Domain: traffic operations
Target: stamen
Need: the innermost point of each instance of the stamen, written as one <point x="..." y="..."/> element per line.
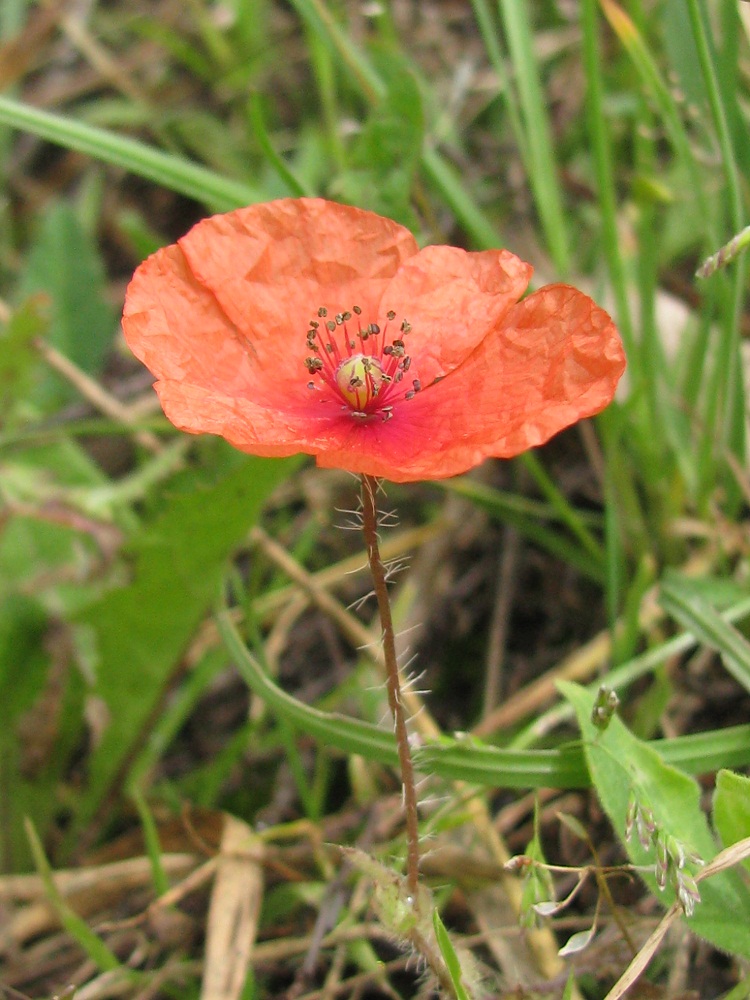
<point x="361" y="371"/>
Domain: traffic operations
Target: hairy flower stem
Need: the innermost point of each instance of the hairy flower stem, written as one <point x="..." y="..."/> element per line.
<point x="393" y="683"/>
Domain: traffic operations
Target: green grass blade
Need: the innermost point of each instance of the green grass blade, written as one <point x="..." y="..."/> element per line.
<point x="443" y="177"/>
<point x="219" y="193"/>
<point x="543" y="172"/>
<point x="727" y="388"/>
<point x="626" y="674"/>
<point x="706" y="624"/>
<point x="565" y="511"/>
<point x="78" y="929"/>
<point x="468" y="760"/>
<point x="296" y="188"/>
<point x="471" y="216"/>
<point x="603" y="165"/>
<point x="449" y="956"/>
<point x="488" y="31"/>
<point x="662" y="96"/>
<point x="151" y="839"/>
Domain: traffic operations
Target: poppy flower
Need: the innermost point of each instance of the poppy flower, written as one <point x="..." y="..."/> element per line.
<point x="302" y="325"/>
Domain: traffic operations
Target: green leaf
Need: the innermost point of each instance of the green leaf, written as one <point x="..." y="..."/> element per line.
<point x="621" y="767"/>
<point x="678" y="597"/>
<point x="18" y="359"/>
<point x="78" y="929"/>
<point x="386" y="155"/>
<point x="732" y="808"/>
<point x="142" y="629"/>
<point x="449" y="956"/>
<point x="219" y="193"/>
<point x="64" y="264"/>
<point x="468" y="760"/>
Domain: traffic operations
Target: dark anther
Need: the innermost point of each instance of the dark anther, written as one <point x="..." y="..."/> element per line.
<point x="322" y="312"/>
<point x="390" y="315"/>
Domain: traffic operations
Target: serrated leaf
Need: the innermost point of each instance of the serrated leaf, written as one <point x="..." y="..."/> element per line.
<point x="143" y="628"/>
<point x="619" y="763"/>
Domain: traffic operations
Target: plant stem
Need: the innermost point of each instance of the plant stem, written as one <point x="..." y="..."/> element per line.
<point x="393" y="682"/>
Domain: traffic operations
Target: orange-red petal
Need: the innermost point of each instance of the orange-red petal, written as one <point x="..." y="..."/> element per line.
<point x="221" y="319"/>
<point x="555" y="358"/>
<point x="270" y="267"/>
<point x="452" y="299"/>
<point x="178" y="330"/>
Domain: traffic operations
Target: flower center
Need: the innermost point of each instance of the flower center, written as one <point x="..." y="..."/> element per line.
<point x="358" y="367"/>
<point x="359" y="379"/>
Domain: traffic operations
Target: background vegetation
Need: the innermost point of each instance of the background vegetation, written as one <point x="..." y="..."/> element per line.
<point x="147" y="745"/>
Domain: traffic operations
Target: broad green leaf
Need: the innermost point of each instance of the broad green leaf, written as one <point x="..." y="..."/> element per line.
<point x="65" y="265"/>
<point x="732" y="808"/>
<point x="621" y="766"/>
<point x="142" y="629"/>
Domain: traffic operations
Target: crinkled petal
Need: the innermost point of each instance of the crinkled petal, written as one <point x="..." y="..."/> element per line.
<point x="272" y="266"/>
<point x="451" y="299"/>
<point x="221" y="320"/>
<point x="555" y="358"/>
<point x="250" y="424"/>
<point x="179" y="331"/>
